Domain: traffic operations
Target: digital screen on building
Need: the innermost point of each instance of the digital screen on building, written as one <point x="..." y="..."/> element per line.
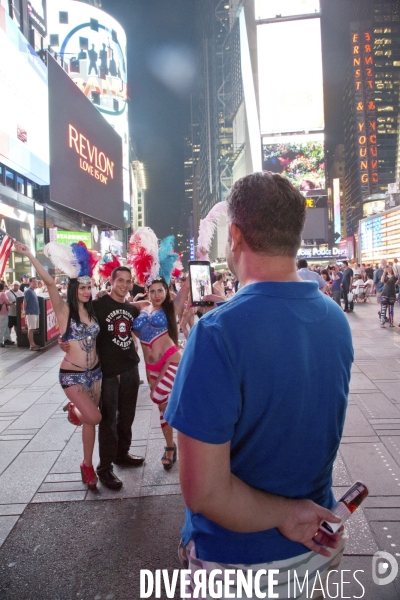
<point x="316" y="225"/>
<point x="268" y="9"/>
<point x="92" y="45"/>
<point x="290" y="76"/>
<point x="371" y="238"/>
<point x="71" y="237"/>
<point x="24" y="131"/>
<point x="337" y="224"/>
<point x="373" y="208"/>
<point x="380" y="236"/>
<point x="299" y="158"/>
<point x="37" y="15"/>
<point x="86" y="153"/>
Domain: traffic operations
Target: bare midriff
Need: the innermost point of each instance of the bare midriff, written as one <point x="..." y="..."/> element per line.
<point x="152" y="354"/>
<point x="80" y="359"/>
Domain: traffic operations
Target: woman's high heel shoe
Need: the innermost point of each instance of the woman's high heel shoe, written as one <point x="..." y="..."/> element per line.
<point x="72" y="418"/>
<point x="89" y="476"/>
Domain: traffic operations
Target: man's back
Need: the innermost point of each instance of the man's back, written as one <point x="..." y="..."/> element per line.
<point x="267" y="351"/>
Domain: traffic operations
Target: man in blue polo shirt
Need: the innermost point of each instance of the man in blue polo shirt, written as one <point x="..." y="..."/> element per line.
<point x="257" y="445"/>
<point x="32" y="312"/>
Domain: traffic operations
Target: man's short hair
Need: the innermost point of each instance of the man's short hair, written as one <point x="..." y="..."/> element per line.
<point x="31" y="279"/>
<point x="269" y="211"/>
<point x="302" y="263"/>
<point x="115" y="271"/>
<point x="345" y="262"/>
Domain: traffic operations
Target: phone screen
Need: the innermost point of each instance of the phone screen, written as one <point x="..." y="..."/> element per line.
<point x="200" y="281"/>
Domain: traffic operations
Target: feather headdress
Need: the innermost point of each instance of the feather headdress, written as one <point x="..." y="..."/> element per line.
<point x="108" y="263"/>
<point x="143" y="258"/>
<point x="167" y="257"/>
<point x="207" y="229"/>
<point x="178" y="267"/>
<point x="75" y="260"/>
<point x="148" y="260"/>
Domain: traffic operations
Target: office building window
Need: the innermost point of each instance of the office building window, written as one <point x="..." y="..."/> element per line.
<point x="20" y="185"/>
<point x="10" y="179"/>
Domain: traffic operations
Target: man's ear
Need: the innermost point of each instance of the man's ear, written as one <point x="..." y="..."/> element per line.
<point x="235" y="237"/>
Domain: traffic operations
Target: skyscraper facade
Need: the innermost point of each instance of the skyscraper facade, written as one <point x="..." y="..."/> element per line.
<point x="371" y="105"/>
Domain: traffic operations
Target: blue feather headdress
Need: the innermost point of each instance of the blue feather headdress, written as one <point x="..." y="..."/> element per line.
<point x="75" y="260"/>
<point x="150" y="261"/>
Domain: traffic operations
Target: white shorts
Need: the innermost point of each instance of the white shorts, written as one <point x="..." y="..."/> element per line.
<point x="32" y="321"/>
<point x="295" y="578"/>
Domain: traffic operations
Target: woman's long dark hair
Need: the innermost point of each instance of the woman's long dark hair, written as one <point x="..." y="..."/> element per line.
<point x="72" y="300"/>
<point x="169" y="309"/>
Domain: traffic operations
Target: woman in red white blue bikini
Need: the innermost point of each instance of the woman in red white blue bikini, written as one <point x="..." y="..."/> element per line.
<point x="156" y="326"/>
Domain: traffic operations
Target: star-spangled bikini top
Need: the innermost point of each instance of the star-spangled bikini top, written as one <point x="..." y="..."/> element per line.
<point x="150" y="326"/>
<point x="80" y="331"/>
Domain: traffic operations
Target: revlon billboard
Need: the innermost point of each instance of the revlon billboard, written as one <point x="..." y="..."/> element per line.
<point x="86" y="153"/>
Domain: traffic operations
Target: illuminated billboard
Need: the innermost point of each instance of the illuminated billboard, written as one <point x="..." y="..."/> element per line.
<point x="373" y="208"/>
<point x="37" y="15"/>
<point x="380" y="236"/>
<point x="269" y="9"/>
<point x="86" y="153"/>
<point x="92" y="45"/>
<point x="24" y="130"/>
<point x="290" y="76"/>
<point x="362" y="49"/>
<point x="299" y="158"/>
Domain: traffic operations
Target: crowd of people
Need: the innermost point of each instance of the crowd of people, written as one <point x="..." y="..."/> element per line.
<point x="350" y="282"/>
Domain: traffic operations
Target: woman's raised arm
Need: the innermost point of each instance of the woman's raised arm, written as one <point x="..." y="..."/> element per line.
<point x="59" y="306"/>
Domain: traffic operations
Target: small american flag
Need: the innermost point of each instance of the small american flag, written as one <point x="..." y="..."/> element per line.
<point x="6" y="243"/>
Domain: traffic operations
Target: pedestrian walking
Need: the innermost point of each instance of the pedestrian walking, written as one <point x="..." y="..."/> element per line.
<point x="388" y="295"/>
<point x="4" y="306"/>
<point x="13" y="294"/>
<point x="337" y="278"/>
<point x="347" y="283"/>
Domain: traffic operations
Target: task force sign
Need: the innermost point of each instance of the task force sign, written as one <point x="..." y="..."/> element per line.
<point x="86" y="153"/>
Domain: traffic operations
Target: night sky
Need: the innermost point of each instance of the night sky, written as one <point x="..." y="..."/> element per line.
<point x="161" y="75"/>
<point x="162" y="72"/>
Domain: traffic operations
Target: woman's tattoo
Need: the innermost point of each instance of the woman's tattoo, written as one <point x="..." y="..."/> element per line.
<point x="151" y="359"/>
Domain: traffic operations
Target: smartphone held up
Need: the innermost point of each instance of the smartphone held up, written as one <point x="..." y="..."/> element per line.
<point x="200" y="281"/>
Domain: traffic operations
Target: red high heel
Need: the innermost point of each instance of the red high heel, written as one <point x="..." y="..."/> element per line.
<point x="89" y="476"/>
<point x="72" y="418"/>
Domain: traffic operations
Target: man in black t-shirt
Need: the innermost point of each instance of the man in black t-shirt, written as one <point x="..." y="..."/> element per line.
<point x="347" y="282"/>
<point x="119" y="365"/>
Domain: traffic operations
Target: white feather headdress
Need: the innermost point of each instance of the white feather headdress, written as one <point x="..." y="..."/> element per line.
<point x="207" y="229"/>
<point x="63" y="258"/>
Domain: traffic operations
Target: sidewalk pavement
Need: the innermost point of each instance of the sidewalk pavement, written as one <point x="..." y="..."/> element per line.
<point x="44" y="504"/>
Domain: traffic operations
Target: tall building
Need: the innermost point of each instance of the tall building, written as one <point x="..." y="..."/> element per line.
<point x="214" y="107"/>
<point x="371" y="107"/>
<point x="139" y="186"/>
<point x="188" y="224"/>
